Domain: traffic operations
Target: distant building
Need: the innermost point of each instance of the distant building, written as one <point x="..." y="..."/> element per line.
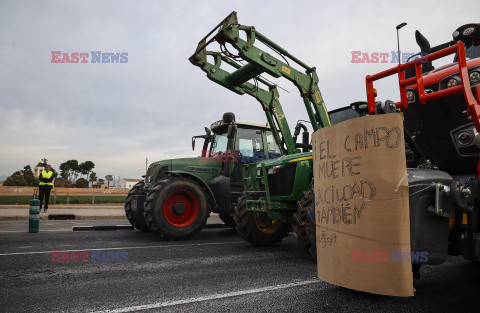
<point x="126" y="183"/>
<point x="100" y="186"/>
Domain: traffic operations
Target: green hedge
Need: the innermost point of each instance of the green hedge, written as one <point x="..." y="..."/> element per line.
<point x="62" y="199"/>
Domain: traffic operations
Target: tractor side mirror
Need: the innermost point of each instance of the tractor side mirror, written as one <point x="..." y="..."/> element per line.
<point x="193" y="140"/>
<point x="208" y="138"/>
<point x="208" y="133"/>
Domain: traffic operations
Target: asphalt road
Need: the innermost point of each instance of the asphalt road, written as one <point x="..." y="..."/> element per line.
<point x="214" y="272"/>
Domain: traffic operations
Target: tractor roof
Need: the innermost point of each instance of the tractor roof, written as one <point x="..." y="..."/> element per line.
<point x="220" y="124"/>
<point x="252" y="124"/>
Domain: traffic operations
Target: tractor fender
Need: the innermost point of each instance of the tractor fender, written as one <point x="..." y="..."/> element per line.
<point x="221" y="187"/>
<point x="211" y="196"/>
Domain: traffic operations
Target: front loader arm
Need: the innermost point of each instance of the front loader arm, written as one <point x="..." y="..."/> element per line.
<point x="259" y="62"/>
<point x="268" y="99"/>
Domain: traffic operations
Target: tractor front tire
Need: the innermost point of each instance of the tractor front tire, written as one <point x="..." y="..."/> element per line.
<point x="255" y="228"/>
<point x="305" y="226"/>
<point x="176" y="208"/>
<point x="134" y="207"/>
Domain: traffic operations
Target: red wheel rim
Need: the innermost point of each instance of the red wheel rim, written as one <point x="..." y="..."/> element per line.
<point x="187" y="201"/>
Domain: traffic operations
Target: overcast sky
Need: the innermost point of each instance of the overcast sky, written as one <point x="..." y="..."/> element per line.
<point x="116" y="115"/>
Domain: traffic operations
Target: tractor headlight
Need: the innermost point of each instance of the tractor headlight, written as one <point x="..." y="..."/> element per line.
<point x="410" y="96"/>
<point x="455" y="34"/>
<point x="452" y="82"/>
<point x="474" y="76"/>
<point x="468" y="31"/>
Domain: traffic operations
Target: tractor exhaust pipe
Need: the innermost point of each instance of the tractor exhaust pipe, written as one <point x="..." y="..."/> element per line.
<point x="306" y="141"/>
<point x="424" y="49"/>
<point x="305" y="145"/>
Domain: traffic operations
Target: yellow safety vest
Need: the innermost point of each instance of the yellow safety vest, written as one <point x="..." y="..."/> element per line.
<point x="46" y="175"/>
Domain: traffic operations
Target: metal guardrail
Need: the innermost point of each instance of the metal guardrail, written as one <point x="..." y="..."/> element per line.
<point x="464" y="87"/>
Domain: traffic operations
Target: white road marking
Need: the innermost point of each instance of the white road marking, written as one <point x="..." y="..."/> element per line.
<point x="210" y="297"/>
<point x="24" y="231"/>
<point x="48" y="230"/>
<point x="125" y="248"/>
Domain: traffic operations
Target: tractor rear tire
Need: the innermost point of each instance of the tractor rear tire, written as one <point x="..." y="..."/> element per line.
<point x="305" y="226"/>
<point x="255" y="229"/>
<point x="176" y="208"/>
<point x="134" y="209"/>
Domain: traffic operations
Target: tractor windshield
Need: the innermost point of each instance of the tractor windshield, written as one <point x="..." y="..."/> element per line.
<point x="249" y="142"/>
<point x="342" y="114"/>
<point x="273" y="149"/>
<point x="472" y="51"/>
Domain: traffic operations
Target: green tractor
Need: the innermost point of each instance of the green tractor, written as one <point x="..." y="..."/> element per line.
<point x="177" y="195"/>
<point x="273" y="188"/>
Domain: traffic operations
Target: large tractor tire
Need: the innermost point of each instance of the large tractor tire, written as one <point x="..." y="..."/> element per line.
<point x="176" y="208"/>
<point x="134" y="207"/>
<point x="221" y="188"/>
<point x="305" y="226"/>
<point x="255" y="228"/>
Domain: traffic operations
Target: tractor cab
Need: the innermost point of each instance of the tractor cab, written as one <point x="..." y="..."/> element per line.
<point x="228" y="140"/>
<point x="235" y="143"/>
<point x="242" y="142"/>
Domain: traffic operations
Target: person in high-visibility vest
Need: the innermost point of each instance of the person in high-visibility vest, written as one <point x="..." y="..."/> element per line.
<point x="45" y="186"/>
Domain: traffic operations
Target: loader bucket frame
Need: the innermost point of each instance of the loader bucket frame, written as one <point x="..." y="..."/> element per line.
<point x="418" y="81"/>
<point x="257" y="63"/>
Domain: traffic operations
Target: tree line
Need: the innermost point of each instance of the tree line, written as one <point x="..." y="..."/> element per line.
<point x="72" y="174"/>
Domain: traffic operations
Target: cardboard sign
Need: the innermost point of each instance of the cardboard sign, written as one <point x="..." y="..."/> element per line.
<point x="361" y="205"/>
